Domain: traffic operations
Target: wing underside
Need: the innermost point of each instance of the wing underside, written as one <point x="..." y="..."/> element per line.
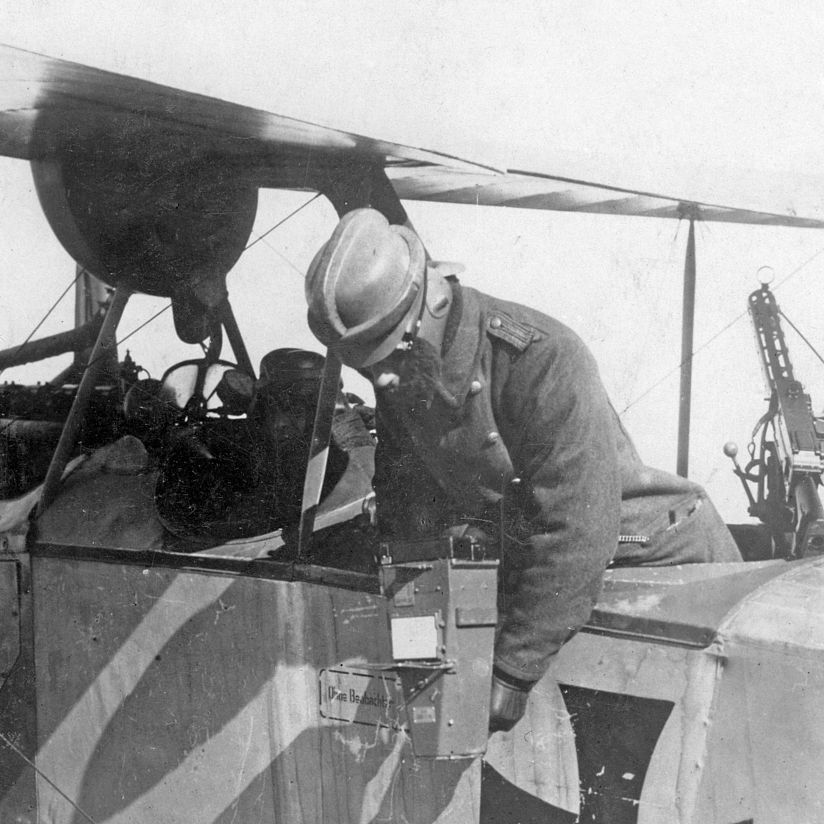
<point x="46" y="104"/>
<point x="44" y="101"/>
<point x="525" y="190"/>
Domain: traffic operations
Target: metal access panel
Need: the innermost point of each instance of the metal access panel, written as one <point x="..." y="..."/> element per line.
<point x="442" y="615"/>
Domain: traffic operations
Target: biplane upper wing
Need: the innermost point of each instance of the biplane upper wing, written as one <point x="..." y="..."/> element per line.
<point x="45" y="102"/>
<point x="530" y="190"/>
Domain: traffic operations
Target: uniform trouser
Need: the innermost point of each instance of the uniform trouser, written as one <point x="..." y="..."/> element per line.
<point x="691" y="533"/>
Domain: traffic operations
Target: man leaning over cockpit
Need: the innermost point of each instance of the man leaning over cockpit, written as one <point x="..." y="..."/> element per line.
<point x="491" y="417"/>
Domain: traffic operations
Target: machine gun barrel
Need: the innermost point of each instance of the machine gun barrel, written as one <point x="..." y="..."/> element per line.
<point x="797" y="440"/>
<point x="793" y="463"/>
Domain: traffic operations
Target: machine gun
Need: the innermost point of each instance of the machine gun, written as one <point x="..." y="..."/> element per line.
<point x="788" y="466"/>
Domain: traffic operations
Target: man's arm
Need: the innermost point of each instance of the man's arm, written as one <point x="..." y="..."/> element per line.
<point x="565" y="513"/>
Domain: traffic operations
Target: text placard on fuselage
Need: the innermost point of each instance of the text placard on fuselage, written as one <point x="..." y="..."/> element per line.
<point x="359" y="696"/>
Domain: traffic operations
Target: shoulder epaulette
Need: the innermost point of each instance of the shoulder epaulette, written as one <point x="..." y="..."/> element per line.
<point x="502" y="326"/>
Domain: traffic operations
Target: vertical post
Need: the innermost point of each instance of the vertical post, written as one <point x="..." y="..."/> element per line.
<point x="227" y="318"/>
<point x="104" y="344"/>
<point x="318" y="451"/>
<point x="365" y="186"/>
<point x="687" y="329"/>
<point x="89" y="295"/>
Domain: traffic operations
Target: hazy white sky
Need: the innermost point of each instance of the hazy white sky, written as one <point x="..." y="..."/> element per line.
<point x="717" y="101"/>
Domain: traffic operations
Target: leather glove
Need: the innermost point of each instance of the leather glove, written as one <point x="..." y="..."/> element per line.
<point x="507" y="702"/>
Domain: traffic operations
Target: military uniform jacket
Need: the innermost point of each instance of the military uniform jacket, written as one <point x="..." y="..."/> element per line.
<point x="521" y="443"/>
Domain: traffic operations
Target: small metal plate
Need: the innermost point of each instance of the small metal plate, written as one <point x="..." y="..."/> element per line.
<point x="414" y="637"/>
<point x="424" y="715"/>
<point x="359" y="697"/>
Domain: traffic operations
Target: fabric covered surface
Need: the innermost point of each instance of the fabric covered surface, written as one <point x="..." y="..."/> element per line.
<point x="108" y="501"/>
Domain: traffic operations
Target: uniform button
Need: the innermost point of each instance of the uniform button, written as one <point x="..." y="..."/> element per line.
<point x="492" y="437"/>
<point x="495" y="323"/>
<point x="475" y="387"/>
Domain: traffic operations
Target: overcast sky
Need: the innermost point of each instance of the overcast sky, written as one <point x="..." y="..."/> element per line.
<point x="721" y="102"/>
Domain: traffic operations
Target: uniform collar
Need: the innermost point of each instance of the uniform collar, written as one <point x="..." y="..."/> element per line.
<point x="461" y="343"/>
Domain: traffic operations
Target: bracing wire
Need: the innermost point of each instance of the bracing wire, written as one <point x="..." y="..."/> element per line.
<point x="249" y="246"/>
<point x="42" y="320"/>
<point x="283" y="258"/>
<point x="168" y="306"/>
<point x="802" y="336"/>
<point x="117" y="343"/>
<point x="159" y="312"/>
<point x="21" y="754"/>
<point x="135" y="331"/>
<point x="81" y="271"/>
<point x="281" y="222"/>
<point x="713" y="338"/>
<point x="63" y="294"/>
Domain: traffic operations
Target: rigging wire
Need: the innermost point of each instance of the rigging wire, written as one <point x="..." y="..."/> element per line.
<point x="16" y="418"/>
<point x="283" y="258"/>
<point x="281" y="222"/>
<point x="713" y="338"/>
<point x="157" y="314"/>
<point x="63" y="294"/>
<point x="133" y="332"/>
<point x="145" y="323"/>
<point x="169" y="305"/>
<point x="48" y="780"/>
<point x="81" y="271"/>
<point x="249" y="246"/>
<point x="802" y="336"/>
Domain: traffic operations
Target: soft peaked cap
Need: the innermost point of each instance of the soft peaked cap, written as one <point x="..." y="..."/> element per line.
<point x="365" y="286"/>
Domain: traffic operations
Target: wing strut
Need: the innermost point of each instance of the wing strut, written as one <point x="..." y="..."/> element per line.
<point x="227" y="318"/>
<point x="318" y="452"/>
<point x="97" y="363"/>
<point x="373" y="190"/>
<point x="89" y="295"/>
<point x="687" y="329"/>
